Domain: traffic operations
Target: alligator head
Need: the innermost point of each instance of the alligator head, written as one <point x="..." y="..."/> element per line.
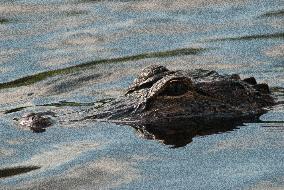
<point x="161" y="96"/>
<point x="183" y="99"/>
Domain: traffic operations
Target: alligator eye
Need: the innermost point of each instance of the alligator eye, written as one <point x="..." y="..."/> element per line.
<point x="176" y="88"/>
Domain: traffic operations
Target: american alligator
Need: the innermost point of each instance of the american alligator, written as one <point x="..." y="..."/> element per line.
<point x="196" y="97"/>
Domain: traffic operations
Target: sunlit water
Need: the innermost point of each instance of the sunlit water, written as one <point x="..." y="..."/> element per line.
<point x="84" y="51"/>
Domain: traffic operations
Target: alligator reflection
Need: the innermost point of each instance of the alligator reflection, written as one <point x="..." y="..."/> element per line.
<point x="181" y="133"/>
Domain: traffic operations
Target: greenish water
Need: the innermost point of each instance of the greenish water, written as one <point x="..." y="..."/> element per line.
<point x="70" y="56"/>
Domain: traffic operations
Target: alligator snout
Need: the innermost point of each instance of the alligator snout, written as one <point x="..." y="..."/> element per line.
<point x="37" y="122"/>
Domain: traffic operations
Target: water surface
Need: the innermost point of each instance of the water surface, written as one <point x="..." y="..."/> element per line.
<point x="74" y="55"/>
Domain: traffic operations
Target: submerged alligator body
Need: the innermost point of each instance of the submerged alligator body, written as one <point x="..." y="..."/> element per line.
<point x="195" y="97"/>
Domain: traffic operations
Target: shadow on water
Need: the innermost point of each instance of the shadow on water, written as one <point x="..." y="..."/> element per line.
<point x="68" y="104"/>
<point x="180" y="133"/>
<point x="277" y="13"/>
<point x="3" y="20"/>
<point x="7" y="172"/>
<point x="279" y="35"/>
<point x="15" y="110"/>
<point x="41" y="76"/>
<point x="74" y="13"/>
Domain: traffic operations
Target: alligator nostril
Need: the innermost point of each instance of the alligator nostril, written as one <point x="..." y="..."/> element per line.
<point x="250" y="80"/>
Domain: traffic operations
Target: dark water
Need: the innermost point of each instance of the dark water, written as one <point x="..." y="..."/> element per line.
<point x="71" y="55"/>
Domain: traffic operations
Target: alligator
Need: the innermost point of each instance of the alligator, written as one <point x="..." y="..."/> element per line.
<point x="162" y="98"/>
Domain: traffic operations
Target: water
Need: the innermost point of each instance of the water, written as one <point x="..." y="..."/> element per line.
<point x="62" y="55"/>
